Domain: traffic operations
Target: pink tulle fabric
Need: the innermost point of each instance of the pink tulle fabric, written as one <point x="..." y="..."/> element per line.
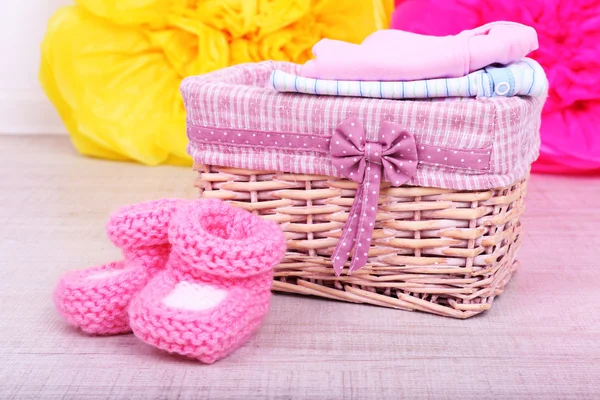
<point x="569" y="38"/>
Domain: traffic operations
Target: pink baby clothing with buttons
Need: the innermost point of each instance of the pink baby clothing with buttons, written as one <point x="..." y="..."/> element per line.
<point x="394" y="55"/>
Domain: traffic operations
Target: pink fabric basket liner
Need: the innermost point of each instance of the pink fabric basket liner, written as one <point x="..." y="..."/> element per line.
<point x="235" y="120"/>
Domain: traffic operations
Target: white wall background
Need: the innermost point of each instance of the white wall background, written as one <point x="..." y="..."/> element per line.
<point x="23" y="106"/>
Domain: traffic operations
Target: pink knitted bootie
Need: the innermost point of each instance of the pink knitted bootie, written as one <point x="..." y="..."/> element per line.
<point x="215" y="290"/>
<point x="96" y="299"/>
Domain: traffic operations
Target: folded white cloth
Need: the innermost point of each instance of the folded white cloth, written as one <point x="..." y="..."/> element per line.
<point x="523" y="78"/>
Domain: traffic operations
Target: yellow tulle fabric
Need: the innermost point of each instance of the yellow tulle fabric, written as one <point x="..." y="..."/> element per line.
<point x="112" y="68"/>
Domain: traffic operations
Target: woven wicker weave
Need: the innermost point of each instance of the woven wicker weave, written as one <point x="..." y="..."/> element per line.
<point x="435" y="250"/>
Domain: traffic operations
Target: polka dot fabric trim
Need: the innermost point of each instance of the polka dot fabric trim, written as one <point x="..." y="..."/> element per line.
<point x="477" y="160"/>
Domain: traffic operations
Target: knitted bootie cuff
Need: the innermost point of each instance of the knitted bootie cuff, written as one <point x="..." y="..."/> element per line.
<point x="216" y="238"/>
<point x="142" y="224"/>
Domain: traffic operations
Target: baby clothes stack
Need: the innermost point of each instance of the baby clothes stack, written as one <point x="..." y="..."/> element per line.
<point x="485" y="62"/>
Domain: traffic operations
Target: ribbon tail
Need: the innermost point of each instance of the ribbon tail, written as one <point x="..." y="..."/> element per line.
<point x="347" y="240"/>
<point x="367" y="217"/>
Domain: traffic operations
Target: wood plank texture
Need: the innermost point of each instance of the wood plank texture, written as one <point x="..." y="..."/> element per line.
<point x="540" y="340"/>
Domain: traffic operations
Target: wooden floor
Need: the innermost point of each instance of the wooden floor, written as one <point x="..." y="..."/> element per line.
<point x="541" y="340"/>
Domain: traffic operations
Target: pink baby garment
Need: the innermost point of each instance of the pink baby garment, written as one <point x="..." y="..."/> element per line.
<point x="394" y="55"/>
<point x="96" y="299"/>
<point x="216" y="288"/>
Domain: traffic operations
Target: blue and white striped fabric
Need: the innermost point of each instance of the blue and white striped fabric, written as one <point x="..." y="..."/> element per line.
<point x="523" y="78"/>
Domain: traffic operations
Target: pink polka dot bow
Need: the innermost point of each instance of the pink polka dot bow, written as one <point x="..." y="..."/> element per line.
<point x="393" y="156"/>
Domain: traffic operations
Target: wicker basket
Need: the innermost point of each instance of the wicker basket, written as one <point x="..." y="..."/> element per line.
<point x="451" y="172"/>
<point x="435" y="250"/>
